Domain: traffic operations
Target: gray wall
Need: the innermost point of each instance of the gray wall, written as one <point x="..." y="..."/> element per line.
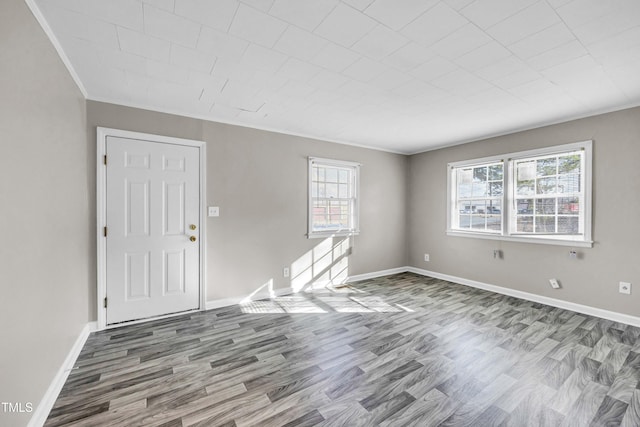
<point x="45" y="255"/>
<point x="259" y="180"/>
<point x="592" y="279"/>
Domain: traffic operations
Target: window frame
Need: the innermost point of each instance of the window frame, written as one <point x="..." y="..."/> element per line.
<point x="355" y="199"/>
<point x="509" y="196"/>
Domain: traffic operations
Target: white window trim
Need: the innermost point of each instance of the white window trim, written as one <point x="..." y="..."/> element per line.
<point x="579" y="241"/>
<point x="356" y="209"/>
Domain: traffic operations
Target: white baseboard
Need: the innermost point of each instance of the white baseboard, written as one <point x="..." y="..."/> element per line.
<point x="375" y="274"/>
<point x="585" y="309"/>
<point x="46" y="403"/>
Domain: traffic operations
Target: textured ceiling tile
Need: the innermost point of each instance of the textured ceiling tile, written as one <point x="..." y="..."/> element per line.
<point x="298" y="70"/>
<point x="221" y="44"/>
<point x="125" y="13"/>
<point x="395" y="14"/>
<point x="216" y="14"/>
<point x="307" y="14"/>
<point x="433" y="69"/>
<point x="435" y="24"/>
<point x="486" y="13"/>
<point x="558" y="55"/>
<point x="608" y="26"/>
<point x="580" y="12"/>
<point x="345" y="26"/>
<point x="263" y="5"/>
<point x="358" y="4"/>
<point x="379" y="43"/>
<point x="300" y="43"/>
<point x="460" y="42"/>
<point x="263" y="58"/>
<point x="168" y="5"/>
<point x="365" y="69"/>
<point x="143" y="45"/>
<point x="483" y="56"/>
<point x="167" y="26"/>
<point x="540" y="42"/>
<point x="410" y="56"/>
<point x="335" y="57"/>
<point x="525" y="23"/>
<point x="192" y="59"/>
<point x="257" y="27"/>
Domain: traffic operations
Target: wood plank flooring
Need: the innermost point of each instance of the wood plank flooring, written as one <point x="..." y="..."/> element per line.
<point x="402" y="350"/>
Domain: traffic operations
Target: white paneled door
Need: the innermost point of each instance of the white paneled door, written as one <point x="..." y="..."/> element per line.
<point x="153" y="229"/>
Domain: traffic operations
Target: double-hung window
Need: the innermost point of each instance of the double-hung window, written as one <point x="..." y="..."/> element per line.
<point x="333" y="197"/>
<point x="539" y="196"/>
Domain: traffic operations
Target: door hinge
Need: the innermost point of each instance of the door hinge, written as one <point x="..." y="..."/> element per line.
<point x="104" y="231"/>
<point x="105" y="302"/>
<point x="104" y="159"/>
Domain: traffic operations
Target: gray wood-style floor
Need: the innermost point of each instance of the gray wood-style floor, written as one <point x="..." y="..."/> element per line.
<point x="401" y="350"/>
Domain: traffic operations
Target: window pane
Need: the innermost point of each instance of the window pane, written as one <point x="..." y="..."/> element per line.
<point x="525" y="224"/>
<point x="343" y="175"/>
<point x="478" y="222"/>
<point x="465" y="221"/>
<point x="464" y="207"/>
<point x="569" y="164"/>
<point x="321" y="190"/>
<point x="569" y="183"/>
<point x="314" y="173"/>
<point x="525" y="188"/>
<point x="495" y="173"/>
<point x="525" y="206"/>
<point x="464" y="191"/>
<point x="314" y="189"/>
<point x="321" y="173"/>
<point x="568" y="224"/>
<point x="545" y="224"/>
<point x="332" y="190"/>
<point x="478" y="206"/>
<point x="568" y="205"/>
<point x="479" y="189"/>
<point x="546" y="206"/>
<point x="465" y="176"/>
<point x="494" y="207"/>
<point x="343" y="191"/>
<point x="480" y="174"/>
<point x="546" y="185"/>
<point x="332" y="175"/>
<point x="495" y="188"/>
<point x="526" y="171"/>
<point x="546" y="167"/>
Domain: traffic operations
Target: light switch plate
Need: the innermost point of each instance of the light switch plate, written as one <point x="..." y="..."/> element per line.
<point x="214" y="211"/>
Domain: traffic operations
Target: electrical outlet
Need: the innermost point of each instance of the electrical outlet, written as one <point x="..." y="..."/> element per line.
<point x="554" y="283"/>
<point x="573" y="254"/>
<point x="214" y="211"/>
<point x="426" y="257"/>
<point x="497" y="254"/>
<point x="285" y="272"/>
<point x="624" y="288"/>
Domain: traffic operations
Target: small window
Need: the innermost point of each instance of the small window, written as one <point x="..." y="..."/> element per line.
<point x="540" y="195"/>
<point x="333" y="197"/>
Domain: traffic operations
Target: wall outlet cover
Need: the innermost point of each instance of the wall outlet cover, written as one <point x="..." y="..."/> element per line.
<point x="624" y="288"/>
<point x="554" y="283"/>
<point x="426" y="257"/>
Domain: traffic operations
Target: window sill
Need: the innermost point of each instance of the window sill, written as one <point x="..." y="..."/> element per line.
<point x="325" y="234"/>
<point x="522" y="239"/>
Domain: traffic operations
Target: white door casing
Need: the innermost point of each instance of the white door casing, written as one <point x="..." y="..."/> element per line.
<point x="150" y="261"/>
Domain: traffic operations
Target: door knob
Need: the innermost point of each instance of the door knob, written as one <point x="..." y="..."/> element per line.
<point x="192" y="226"/>
<point x="192" y="238"/>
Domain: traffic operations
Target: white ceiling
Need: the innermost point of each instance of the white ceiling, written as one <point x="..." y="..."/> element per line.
<point x="399" y="75"/>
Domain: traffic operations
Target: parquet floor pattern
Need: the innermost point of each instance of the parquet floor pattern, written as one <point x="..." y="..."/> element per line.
<point x="402" y="350"/>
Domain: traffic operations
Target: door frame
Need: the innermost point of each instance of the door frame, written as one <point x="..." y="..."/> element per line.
<point x="101" y="214"/>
